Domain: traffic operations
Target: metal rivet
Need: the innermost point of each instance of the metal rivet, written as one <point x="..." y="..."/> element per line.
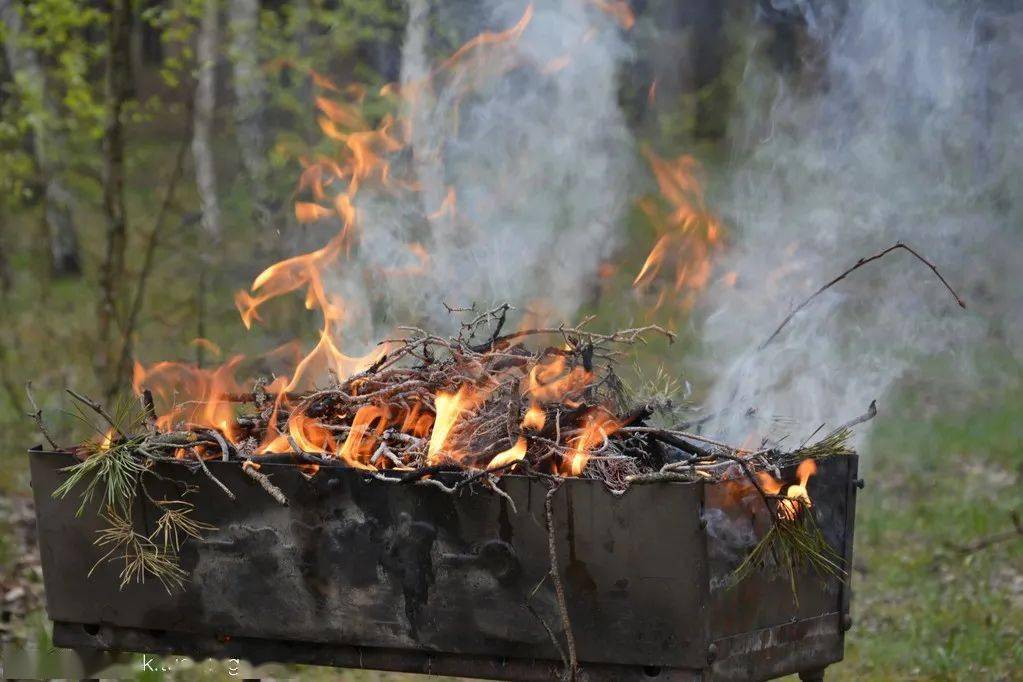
<point x="860" y="483"/>
<point x="846" y="622"/>
<point x="712" y="652"/>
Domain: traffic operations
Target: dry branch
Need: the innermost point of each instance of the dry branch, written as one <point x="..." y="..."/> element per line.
<point x="37" y="417"/>
<point x="262" y="479"/>
<point x="98" y="409"/>
<point x="559" y="589"/>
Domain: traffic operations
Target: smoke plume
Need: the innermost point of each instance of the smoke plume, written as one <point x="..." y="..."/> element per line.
<point x="525" y="140"/>
<point x="906" y="127"/>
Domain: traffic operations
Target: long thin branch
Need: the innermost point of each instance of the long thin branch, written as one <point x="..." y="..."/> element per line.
<point x="559" y="589"/>
<point x="865" y="417"/>
<point x="148" y="259"/>
<point x="626" y="336"/>
<point x="859" y="264"/>
<point x="98" y="409"/>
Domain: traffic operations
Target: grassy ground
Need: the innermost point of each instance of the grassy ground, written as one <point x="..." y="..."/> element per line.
<point x="924" y="607"/>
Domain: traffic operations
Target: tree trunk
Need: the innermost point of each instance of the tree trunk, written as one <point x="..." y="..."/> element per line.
<point x="202" y="153"/>
<point x="250" y="94"/>
<point x="30" y="83"/>
<point x="202" y="132"/>
<point x="118" y="90"/>
<point x="6" y="280"/>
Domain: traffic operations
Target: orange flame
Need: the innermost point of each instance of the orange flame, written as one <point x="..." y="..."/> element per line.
<point x="326" y="190"/>
<point x="597" y="426"/>
<point x="689" y="234"/>
<point x="206" y="389"/>
<point x="107" y="441"/>
<point x="367" y="426"/>
<point x="489" y="38"/>
<point x="533" y="419"/>
<point x="619" y="10"/>
<point x="797" y="497"/>
<point x="548" y="382"/>
<point x="450" y="407"/>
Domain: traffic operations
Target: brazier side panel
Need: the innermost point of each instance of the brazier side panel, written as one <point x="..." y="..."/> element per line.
<point x="354" y="561"/>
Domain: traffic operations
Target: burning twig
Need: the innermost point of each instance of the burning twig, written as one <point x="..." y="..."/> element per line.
<point x="37" y="417"/>
<point x="859" y="264"/>
<point x="225" y="450"/>
<point x="148" y="409"/>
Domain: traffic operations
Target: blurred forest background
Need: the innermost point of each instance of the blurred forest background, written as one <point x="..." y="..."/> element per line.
<point x="148" y="156"/>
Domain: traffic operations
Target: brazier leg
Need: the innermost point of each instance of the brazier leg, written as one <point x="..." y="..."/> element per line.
<point x="812" y="675"/>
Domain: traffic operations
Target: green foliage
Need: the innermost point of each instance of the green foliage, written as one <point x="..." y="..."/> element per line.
<point x="62" y="33"/>
<point x="328" y="38"/>
<point x="114" y="470"/>
<point x="176" y="21"/>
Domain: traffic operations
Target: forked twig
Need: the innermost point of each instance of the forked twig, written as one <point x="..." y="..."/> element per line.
<point x="859" y="264"/>
<point x="37" y="416"/>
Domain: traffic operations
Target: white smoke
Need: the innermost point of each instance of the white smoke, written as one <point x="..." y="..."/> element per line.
<point x="908" y="129"/>
<point x="535" y="149"/>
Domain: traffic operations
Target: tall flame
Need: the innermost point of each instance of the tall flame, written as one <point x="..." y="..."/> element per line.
<point x="688" y="234"/>
<point x="449" y="408"/>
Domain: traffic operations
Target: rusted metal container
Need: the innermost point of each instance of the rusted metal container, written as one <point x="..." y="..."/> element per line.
<point x="364" y="574"/>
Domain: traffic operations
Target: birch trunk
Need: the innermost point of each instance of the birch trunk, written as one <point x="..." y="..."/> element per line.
<point x="250" y="93"/>
<point x="203" y="115"/>
<point x="29" y="82"/>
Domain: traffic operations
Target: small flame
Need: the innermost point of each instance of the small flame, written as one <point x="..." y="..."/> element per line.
<point x="107" y="441"/>
<point x="619" y="10"/>
<point x="597" y="426"/>
<point x="367" y="427"/>
<point x="535" y="418"/>
<point x="797" y="497"/>
<point x="512" y="454"/>
<point x="549" y="382"/>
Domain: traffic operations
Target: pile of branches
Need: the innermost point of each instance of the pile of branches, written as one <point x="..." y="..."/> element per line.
<point x="557" y="410"/>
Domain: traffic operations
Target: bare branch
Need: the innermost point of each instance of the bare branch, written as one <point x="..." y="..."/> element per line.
<point x="859" y="264"/>
<point x="98" y="409"/>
